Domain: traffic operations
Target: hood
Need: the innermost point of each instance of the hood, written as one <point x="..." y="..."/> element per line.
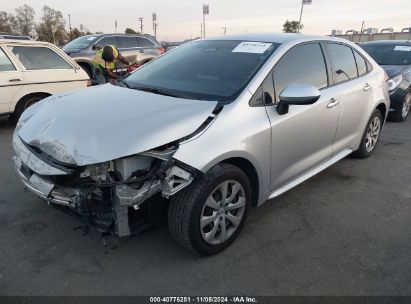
<point x="108" y="122"/>
<point x="394" y="70"/>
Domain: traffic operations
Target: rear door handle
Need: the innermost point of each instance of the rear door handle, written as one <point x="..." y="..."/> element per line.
<point x="333" y="103"/>
<point x="15" y="80"/>
<point x="367" y="87"/>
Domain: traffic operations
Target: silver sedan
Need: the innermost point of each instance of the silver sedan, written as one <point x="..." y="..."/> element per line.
<point x="215" y="126"/>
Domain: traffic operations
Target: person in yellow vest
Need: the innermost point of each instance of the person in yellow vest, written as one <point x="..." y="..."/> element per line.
<point x="105" y="62"/>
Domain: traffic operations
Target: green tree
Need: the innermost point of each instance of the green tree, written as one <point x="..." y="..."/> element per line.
<point x="131" y="31"/>
<point x="52" y="26"/>
<point x="75" y="33"/>
<point x="25" y="20"/>
<point x="292" y="27"/>
<point x="8" y="23"/>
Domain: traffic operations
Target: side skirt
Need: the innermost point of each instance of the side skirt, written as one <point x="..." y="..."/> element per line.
<point x="310" y="173"/>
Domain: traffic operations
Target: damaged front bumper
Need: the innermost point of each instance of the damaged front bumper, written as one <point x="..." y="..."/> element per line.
<point x="103" y="194"/>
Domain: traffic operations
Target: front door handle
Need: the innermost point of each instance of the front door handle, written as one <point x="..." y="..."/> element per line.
<point x="15" y="80"/>
<point x="333" y="103"/>
<point x="367" y="87"/>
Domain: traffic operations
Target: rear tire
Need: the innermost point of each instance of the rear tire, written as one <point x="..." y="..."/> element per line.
<point x="371" y="136"/>
<point x="26" y="102"/>
<point x="204" y="218"/>
<point x="401" y="113"/>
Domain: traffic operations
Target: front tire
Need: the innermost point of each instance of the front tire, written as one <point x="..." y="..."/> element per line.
<point x="208" y="215"/>
<point x="371" y="136"/>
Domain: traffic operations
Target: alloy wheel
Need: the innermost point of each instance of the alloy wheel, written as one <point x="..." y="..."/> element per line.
<point x="373" y="134"/>
<point x="222" y="212"/>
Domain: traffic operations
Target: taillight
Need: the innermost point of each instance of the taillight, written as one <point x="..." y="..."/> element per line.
<point x="162" y="50"/>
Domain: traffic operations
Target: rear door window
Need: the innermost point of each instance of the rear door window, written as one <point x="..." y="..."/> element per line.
<point x="127" y="42"/>
<point x="5" y="63"/>
<point x="303" y="64"/>
<point x="108" y="41"/>
<point x="144" y="42"/>
<point x="342" y="62"/>
<point x="39" y="58"/>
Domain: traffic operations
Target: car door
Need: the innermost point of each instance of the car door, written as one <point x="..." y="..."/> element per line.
<point x="350" y="75"/>
<point x="11" y="79"/>
<point x="44" y="70"/>
<point x="304" y="136"/>
<point x="129" y="48"/>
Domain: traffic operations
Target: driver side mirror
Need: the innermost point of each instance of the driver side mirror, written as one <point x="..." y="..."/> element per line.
<point x="96" y="47"/>
<point x="297" y="94"/>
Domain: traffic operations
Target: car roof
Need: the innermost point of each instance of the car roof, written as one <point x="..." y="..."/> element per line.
<point x="388" y="42"/>
<point x="28" y="42"/>
<point x="275" y="37"/>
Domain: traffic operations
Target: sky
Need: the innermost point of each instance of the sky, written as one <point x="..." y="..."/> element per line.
<point x="181" y="19"/>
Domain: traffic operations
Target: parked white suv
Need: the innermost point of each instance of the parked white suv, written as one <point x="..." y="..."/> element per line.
<point x="31" y="71"/>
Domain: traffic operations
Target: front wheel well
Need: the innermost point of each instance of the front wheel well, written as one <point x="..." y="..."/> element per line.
<point x="248" y="168"/>
<point x="37" y="94"/>
<point x="383" y="109"/>
<point x="21" y="105"/>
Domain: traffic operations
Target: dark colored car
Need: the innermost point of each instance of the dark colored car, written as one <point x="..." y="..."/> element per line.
<point x="135" y="48"/>
<point x="394" y="56"/>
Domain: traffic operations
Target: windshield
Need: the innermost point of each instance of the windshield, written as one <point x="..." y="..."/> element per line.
<point x="391" y="54"/>
<point x="80" y="43"/>
<point x="204" y="70"/>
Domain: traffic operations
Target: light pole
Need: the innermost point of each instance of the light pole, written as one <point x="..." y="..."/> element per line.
<point x="69" y="17"/>
<point x="155" y="24"/>
<point x="304" y="2"/>
<point x="141" y="25"/>
<point x="206" y="11"/>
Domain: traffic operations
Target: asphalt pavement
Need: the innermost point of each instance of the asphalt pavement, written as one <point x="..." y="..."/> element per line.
<point x="346" y="231"/>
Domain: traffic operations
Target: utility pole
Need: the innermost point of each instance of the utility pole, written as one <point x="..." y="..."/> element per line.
<point x="115" y="26"/>
<point x="69" y="16"/>
<point x="141" y="25"/>
<point x="155" y="24"/>
<point x="224" y="30"/>
<point x="206" y="11"/>
<point x="201" y="30"/>
<point x="362" y="27"/>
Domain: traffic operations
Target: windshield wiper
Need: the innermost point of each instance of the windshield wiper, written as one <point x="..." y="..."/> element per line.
<point x="123" y="82"/>
<point x="161" y="92"/>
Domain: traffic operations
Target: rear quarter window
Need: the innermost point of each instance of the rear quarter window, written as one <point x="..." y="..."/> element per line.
<point x="361" y="64"/>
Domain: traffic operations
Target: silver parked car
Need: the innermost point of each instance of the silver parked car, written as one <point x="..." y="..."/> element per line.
<point x="217" y="125"/>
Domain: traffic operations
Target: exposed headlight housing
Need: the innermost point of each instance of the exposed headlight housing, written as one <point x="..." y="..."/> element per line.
<point x="393" y="83"/>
